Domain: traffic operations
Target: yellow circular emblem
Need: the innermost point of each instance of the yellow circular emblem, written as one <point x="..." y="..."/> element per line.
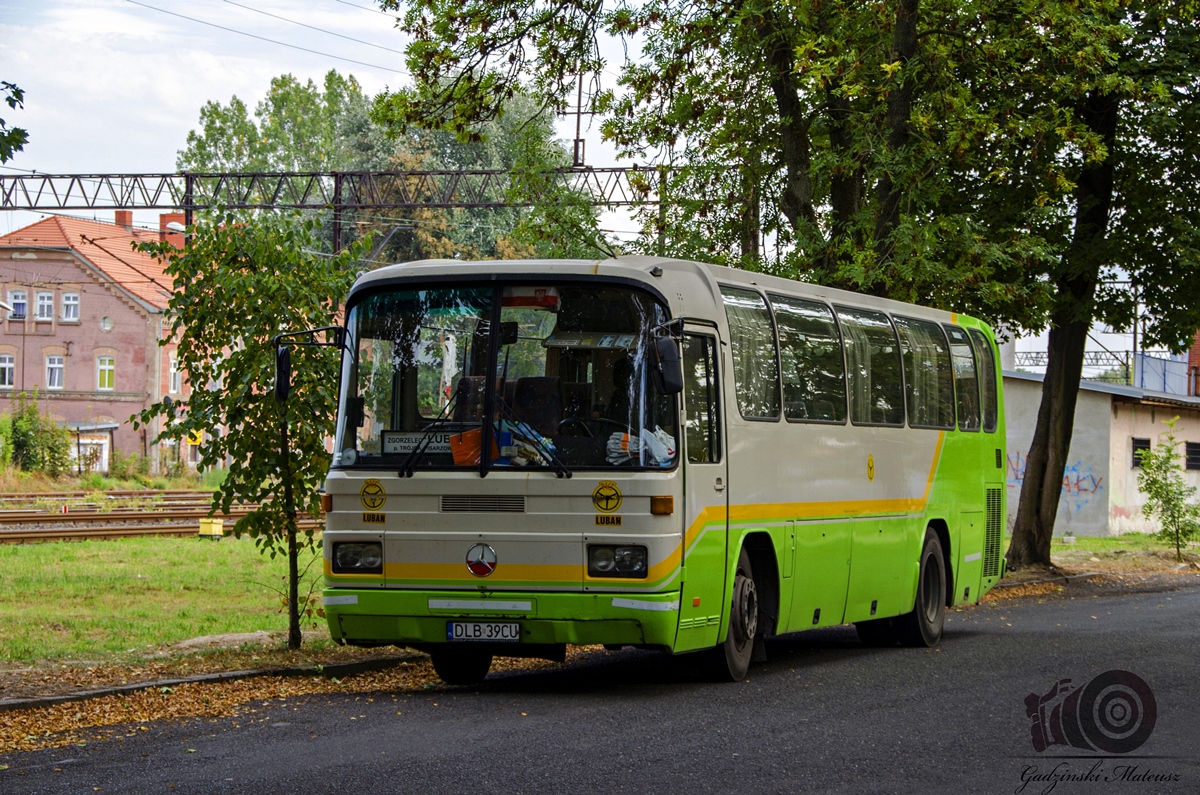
<point x="871" y="468"/>
<point x="606" y="497"/>
<point x="372" y="495"/>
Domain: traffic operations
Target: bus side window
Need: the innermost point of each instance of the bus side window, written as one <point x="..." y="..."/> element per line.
<point x="755" y="360"/>
<point x="702" y="431"/>
<point x="987" y="369"/>
<point x="928" y="378"/>
<point x="873" y="366"/>
<point x="966" y="381"/>
<point x="814" y="380"/>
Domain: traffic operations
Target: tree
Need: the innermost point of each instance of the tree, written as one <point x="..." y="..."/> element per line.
<point x="242" y="279"/>
<point x="12" y="139"/>
<point x="1127" y="205"/>
<point x="964" y="154"/>
<point x="296" y="127"/>
<point x="1168" y="496"/>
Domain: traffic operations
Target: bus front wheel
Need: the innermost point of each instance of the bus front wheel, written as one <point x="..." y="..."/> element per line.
<point x="923" y="626"/>
<point x="461" y="666"/>
<point x="731" y="659"/>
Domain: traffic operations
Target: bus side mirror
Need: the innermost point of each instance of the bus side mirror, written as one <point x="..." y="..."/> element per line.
<point x="509" y="332"/>
<point x="667" y="370"/>
<point x="283" y="373"/>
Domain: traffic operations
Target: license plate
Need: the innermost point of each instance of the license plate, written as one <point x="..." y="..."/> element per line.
<point x="495" y="631"/>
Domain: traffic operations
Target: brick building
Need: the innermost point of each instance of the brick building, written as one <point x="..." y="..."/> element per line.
<point x="87" y="315"/>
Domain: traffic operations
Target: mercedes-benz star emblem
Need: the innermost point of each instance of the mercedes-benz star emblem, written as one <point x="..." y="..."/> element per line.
<point x="481" y="560"/>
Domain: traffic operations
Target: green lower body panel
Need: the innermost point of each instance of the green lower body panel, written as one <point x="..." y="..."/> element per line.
<point x="398" y="617"/>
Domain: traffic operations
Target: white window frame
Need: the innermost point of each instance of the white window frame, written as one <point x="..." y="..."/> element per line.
<point x="48" y="305"/>
<point x="102" y="368"/>
<point x="18" y="297"/>
<point x="55" y="362"/>
<point x="8" y="371"/>
<point x="175" y="379"/>
<point x="70" y="307"/>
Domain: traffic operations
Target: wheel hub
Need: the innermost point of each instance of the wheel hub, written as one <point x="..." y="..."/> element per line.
<point x="745" y="616"/>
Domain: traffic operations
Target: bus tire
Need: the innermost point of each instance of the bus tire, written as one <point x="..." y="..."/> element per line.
<point x="923" y="625"/>
<point x="461" y="666"/>
<point x="731" y="659"/>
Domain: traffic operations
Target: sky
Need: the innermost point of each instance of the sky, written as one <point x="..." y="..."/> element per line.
<point x="114" y="86"/>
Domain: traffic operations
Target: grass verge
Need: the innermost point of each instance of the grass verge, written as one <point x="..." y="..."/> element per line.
<point x="109" y="600"/>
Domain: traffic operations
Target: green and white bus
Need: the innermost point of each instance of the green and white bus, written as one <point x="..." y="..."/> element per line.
<point x="656" y="453"/>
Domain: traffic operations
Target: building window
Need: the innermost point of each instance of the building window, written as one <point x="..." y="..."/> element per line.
<point x="1193" y="455"/>
<point x="176" y="384"/>
<point x="70" y="306"/>
<point x="16" y="299"/>
<point x="54" y="372"/>
<point x="106" y="373"/>
<point x="45" y="306"/>
<point x="8" y="371"/>
<point x="1138" y="446"/>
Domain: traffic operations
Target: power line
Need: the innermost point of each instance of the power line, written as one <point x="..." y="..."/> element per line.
<point x="364" y="8"/>
<point x="270" y="41"/>
<point x="312" y="27"/>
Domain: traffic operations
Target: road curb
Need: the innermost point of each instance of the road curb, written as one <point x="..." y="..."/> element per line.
<point x="338" y="669"/>
<point x="1062" y="578"/>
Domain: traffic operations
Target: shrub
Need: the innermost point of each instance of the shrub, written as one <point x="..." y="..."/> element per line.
<point x="1168" y="496"/>
<point x="38" y="443"/>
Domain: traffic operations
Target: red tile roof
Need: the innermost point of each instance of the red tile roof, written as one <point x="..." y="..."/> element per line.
<point x="106" y="246"/>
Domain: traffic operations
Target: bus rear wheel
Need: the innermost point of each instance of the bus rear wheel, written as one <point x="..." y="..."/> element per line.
<point x="461" y="666"/>
<point x="923" y="626"/>
<point x="731" y="659"/>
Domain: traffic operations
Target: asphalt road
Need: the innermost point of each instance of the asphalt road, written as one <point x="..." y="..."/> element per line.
<point x="824" y="714"/>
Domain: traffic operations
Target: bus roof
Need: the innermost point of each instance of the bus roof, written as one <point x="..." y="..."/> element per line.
<point x="690" y="279"/>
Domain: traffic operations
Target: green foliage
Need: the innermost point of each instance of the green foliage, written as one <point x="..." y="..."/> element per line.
<point x="5" y="440"/>
<point x="1168" y="496"/>
<point x="296" y="127"/>
<point x="12" y="139"/>
<point x="242" y="279"/>
<point x="127" y="466"/>
<point x="38" y="443"/>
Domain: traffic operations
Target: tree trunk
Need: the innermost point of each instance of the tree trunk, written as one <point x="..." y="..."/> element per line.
<point x="797" y="199"/>
<point x="751" y="226"/>
<point x="1070" y="321"/>
<point x="899" y="114"/>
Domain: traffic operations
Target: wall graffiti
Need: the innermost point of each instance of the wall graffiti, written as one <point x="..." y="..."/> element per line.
<point x="1079" y="485"/>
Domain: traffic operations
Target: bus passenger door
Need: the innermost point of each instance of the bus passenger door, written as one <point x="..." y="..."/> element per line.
<point x="706" y="500"/>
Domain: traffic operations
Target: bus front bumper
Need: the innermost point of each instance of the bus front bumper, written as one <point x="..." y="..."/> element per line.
<point x="420" y="618"/>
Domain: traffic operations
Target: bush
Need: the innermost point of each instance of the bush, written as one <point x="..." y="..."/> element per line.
<point x="38" y="443"/>
<point x="1168" y="496"/>
<point x="130" y="466"/>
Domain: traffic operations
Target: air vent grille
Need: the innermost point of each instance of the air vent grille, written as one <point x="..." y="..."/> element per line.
<point x="482" y="503"/>
<point x="993" y="532"/>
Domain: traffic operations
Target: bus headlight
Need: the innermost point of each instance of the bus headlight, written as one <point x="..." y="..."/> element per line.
<point x="613" y="561"/>
<point x="358" y="558"/>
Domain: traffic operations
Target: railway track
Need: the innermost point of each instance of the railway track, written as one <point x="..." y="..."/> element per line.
<point x="169" y="514"/>
<point x="108" y="532"/>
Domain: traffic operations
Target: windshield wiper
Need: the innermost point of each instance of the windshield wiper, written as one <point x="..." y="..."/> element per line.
<point x="408" y="468"/>
<point x="560" y="469"/>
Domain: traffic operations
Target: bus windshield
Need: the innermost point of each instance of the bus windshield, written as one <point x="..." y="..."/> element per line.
<point x="570" y="386"/>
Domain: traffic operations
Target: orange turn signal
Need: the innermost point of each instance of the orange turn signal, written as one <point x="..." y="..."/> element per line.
<point x="326" y="503"/>
<point x="662" y="506"/>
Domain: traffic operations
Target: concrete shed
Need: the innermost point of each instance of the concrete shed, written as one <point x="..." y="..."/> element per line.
<point x="1099" y="490"/>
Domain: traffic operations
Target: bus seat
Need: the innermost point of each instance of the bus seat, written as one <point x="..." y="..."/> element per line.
<point x="469" y="405"/>
<point x="510" y="392"/>
<point x="538" y="401"/>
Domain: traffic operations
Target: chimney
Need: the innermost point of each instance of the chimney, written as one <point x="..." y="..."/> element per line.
<point x="1194" y="367"/>
<point x="176" y="239"/>
<point x="125" y="219"/>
